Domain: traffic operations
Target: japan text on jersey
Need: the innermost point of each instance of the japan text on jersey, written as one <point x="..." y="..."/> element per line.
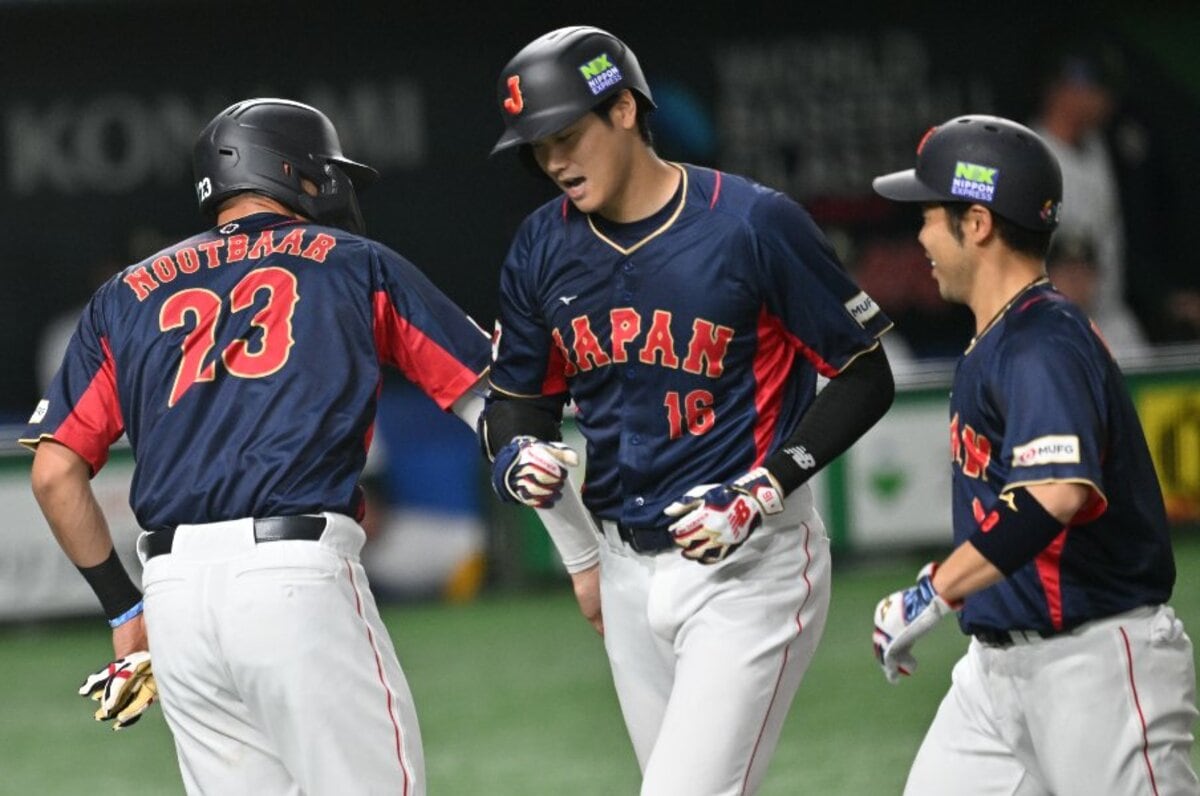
<point x="1037" y="399"/>
<point x="268" y="332"/>
<point x="689" y="341"/>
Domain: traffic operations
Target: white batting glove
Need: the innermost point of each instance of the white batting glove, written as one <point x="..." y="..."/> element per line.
<point x="530" y="471"/>
<point x="717" y="519"/>
<point x="124" y="688"/>
<point x="903" y="617"/>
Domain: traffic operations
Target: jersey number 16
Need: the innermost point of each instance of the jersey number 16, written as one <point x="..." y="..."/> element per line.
<point x="696" y="409"/>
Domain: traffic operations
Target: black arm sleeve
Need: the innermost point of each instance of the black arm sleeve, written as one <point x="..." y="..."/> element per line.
<point x="506" y="417"/>
<point x="840" y="414"/>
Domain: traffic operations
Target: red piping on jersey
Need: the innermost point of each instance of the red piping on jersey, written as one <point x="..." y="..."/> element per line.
<point x="783" y="665"/>
<point x="716" y="191"/>
<point x="396" y="731"/>
<point x="1030" y="303"/>
<point x="1049" y="569"/>
<point x="1137" y="703"/>
<point x="564" y="208"/>
<point x="95" y="421"/>
<point x="426" y="364"/>
<point x="773" y="359"/>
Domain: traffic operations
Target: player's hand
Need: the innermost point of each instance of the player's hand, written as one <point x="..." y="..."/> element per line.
<point x="903" y="617"/>
<point x="124" y="688"/>
<point x="530" y="471"/>
<point x="586" y="585"/>
<point x="716" y="519"/>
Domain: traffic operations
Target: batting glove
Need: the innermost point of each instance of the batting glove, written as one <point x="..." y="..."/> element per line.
<point x="124" y="688"/>
<point x="716" y="520"/>
<point x="530" y="471"/>
<point x="903" y="617"/>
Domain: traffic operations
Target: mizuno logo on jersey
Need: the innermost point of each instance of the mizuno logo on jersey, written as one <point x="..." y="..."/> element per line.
<point x="568" y="299"/>
<point x="704" y="353"/>
<point x="1053" y="449"/>
<point x="298" y="241"/>
<point x="862" y="308"/>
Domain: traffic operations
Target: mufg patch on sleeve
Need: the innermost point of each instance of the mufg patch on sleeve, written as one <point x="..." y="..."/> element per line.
<point x="862" y="308"/>
<point x="40" y="412"/>
<point x="1054" y="449"/>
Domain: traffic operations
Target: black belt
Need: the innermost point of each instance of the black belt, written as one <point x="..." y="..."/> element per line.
<point x="1006" y="638"/>
<point x="645" y="540"/>
<point x="267" y="529"/>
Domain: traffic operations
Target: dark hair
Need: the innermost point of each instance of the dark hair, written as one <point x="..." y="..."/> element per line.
<point x="643" y="114"/>
<point x="1034" y="243"/>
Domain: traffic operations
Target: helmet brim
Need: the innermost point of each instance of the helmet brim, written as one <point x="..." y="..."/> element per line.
<point x="903" y="186"/>
<point x="360" y="174"/>
<point x="510" y="139"/>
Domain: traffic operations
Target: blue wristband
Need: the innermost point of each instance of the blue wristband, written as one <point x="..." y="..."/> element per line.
<point x="117" y="621"/>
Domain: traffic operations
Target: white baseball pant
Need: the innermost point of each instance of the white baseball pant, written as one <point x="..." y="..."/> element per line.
<point x="276" y="674"/>
<point x="1104" y="709"/>
<point x="706" y="659"/>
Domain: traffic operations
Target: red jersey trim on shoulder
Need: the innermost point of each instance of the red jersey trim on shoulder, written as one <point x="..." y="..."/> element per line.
<point x="95" y="421"/>
<point x="716" y="190"/>
<point x="1030" y="302"/>
<point x="420" y="358"/>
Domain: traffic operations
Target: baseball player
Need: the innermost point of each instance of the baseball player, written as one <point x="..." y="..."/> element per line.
<point x="1079" y="679"/>
<point x="687" y="313"/>
<point x="243" y="364"/>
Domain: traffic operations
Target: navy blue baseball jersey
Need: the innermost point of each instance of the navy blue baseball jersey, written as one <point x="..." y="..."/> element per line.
<point x="1038" y="399"/>
<point x="690" y="341"/>
<point x="244" y="366"/>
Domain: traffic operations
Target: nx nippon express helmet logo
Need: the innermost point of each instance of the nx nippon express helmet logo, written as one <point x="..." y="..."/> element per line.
<point x="974" y="182"/>
<point x="600" y="73"/>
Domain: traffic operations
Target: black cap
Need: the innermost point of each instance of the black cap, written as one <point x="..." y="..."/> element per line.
<point x="557" y="78"/>
<point x="987" y="160"/>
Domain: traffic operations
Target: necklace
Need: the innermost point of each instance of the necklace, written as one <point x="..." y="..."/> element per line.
<point x="996" y="318"/>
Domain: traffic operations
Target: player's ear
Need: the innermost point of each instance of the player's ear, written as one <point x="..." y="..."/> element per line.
<point x="623" y="113"/>
<point x="978" y="223"/>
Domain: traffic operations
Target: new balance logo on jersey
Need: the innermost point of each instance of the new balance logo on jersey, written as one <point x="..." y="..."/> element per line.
<point x="800" y="455"/>
<point x="568" y="299"/>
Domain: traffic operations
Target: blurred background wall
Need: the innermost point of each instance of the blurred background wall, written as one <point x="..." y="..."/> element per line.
<point x="100" y="103"/>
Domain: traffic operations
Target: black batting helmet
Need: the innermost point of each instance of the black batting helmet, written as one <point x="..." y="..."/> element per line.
<point x="987" y="160"/>
<point x="559" y="77"/>
<point x="245" y="147"/>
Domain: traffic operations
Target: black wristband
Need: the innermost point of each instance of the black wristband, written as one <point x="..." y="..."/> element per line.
<point x="1014" y="530"/>
<point x="112" y="585"/>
